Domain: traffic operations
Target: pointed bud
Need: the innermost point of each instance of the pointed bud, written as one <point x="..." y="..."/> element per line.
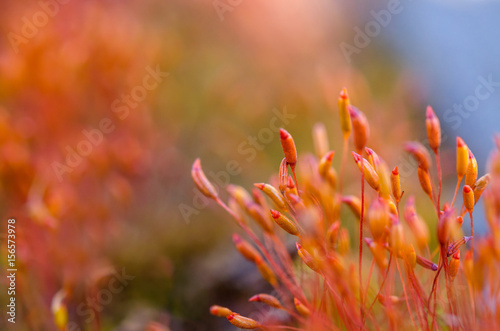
<point x="370" y="174"/>
<point x="307" y="258"/>
<point x="266" y="299"/>
<point x="273" y="194"/>
<point x="220" y="311"/>
<point x="345" y="119"/>
<point x="454" y="265"/>
<point x="320" y="138"/>
<point x="360" y="127"/>
<point x="301" y="308"/>
<point x="468" y="196"/>
<point x="480" y="186"/>
<point x="258" y="215"/>
<point x="396" y="184"/>
<point x="239" y="194"/>
<point x="420" y="153"/>
<point x="284" y="222"/>
<point x="462" y="158"/>
<point x="425" y="181"/>
<point x="288" y="146"/>
<point x="242" y="322"/>
<point x="433" y="129"/>
<point x="471" y="173"/>
<point x="201" y="181"/>
<point x="245" y="249"/>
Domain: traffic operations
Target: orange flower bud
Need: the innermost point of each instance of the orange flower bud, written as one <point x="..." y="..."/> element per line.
<point x="320" y="138"/>
<point x="420" y="153"/>
<point x="301" y="308"/>
<point x="288" y="146"/>
<point x="266" y="271"/>
<point x="425" y="181"/>
<point x="353" y="203"/>
<point x="258" y="215"/>
<point x="220" y="311"/>
<point x="471" y="173"/>
<point x="462" y="158"/>
<point x="242" y="322"/>
<point x="307" y="258"/>
<point x="370" y="174"/>
<point x="345" y="119"/>
<point x="378" y="252"/>
<point x="360" y="127"/>
<point x="427" y="264"/>
<point x="284" y="222"/>
<point x="468" y="196"/>
<point x="273" y="194"/>
<point x="433" y="129"/>
<point x="480" y="186"/>
<point x="454" y="264"/>
<point x="201" y="181"/>
<point x="378" y="219"/>
<point x="267" y="299"/>
<point x="396" y="184"/>
<point x="245" y="249"/>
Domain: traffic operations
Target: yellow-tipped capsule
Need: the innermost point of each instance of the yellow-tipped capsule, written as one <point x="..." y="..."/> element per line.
<point x="360" y="127"/>
<point x="378" y="219"/>
<point x="266" y="299"/>
<point x="273" y="194"/>
<point x="471" y="173"/>
<point x="258" y="215"/>
<point x="433" y="129"/>
<point x="266" y="271"/>
<point x="454" y="265"/>
<point x="370" y="174"/>
<point x="325" y="163"/>
<point x="353" y="203"/>
<point x="301" y="308"/>
<point x="396" y="184"/>
<point x="245" y="249"/>
<point x="480" y="186"/>
<point x="345" y="119"/>
<point x="420" y="153"/>
<point x="343" y="242"/>
<point x="462" y="158"/>
<point x="378" y="252"/>
<point x="410" y="256"/>
<point x="307" y="258"/>
<point x="220" y="311"/>
<point x="468" y="196"/>
<point x="320" y="138"/>
<point x="284" y="222"/>
<point x="425" y="181"/>
<point x="393" y="209"/>
<point x="201" y="181"/>
<point x="288" y="146"/>
<point x="243" y="322"/>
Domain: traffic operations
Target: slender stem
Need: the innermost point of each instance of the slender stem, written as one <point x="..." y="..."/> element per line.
<point x="406" y="296"/>
<point x="456" y="190"/>
<point x="440" y="177"/>
<point x="342" y="164"/>
<point x="382" y="285"/>
<point x="361" y="246"/>
<point x="472" y="233"/>
<point x="367" y="286"/>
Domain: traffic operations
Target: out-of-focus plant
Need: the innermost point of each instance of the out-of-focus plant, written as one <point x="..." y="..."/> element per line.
<point x="329" y="288"/>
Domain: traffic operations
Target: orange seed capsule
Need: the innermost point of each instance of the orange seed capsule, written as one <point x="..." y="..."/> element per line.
<point x="239" y="194"/>
<point x="266" y="271"/>
<point x="480" y="186"/>
<point x="468" y="196"/>
<point x="273" y="194"/>
<point x="396" y="184"/>
<point x="245" y="249"/>
<point x="242" y="322"/>
<point x="433" y="129"/>
<point x="420" y="153"/>
<point x="425" y="181"/>
<point x="320" y="138"/>
<point x="301" y="308"/>
<point x="360" y="127"/>
<point x="454" y="265"/>
<point x="258" y="215"/>
<point x="307" y="258"/>
<point x="325" y="163"/>
<point x="267" y="299"/>
<point x="345" y="119"/>
<point x="471" y="173"/>
<point x="353" y="203"/>
<point x="220" y="311"/>
<point x="370" y="174"/>
<point x="378" y="253"/>
<point x="378" y="219"/>
<point x="462" y="158"/>
<point x="201" y="181"/>
<point x="284" y="222"/>
<point x="288" y="146"/>
<point x="397" y="237"/>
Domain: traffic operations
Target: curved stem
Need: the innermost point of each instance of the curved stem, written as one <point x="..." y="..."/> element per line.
<point x="456" y="190"/>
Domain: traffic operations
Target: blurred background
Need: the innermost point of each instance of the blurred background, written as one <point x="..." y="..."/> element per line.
<point x="104" y="105"/>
